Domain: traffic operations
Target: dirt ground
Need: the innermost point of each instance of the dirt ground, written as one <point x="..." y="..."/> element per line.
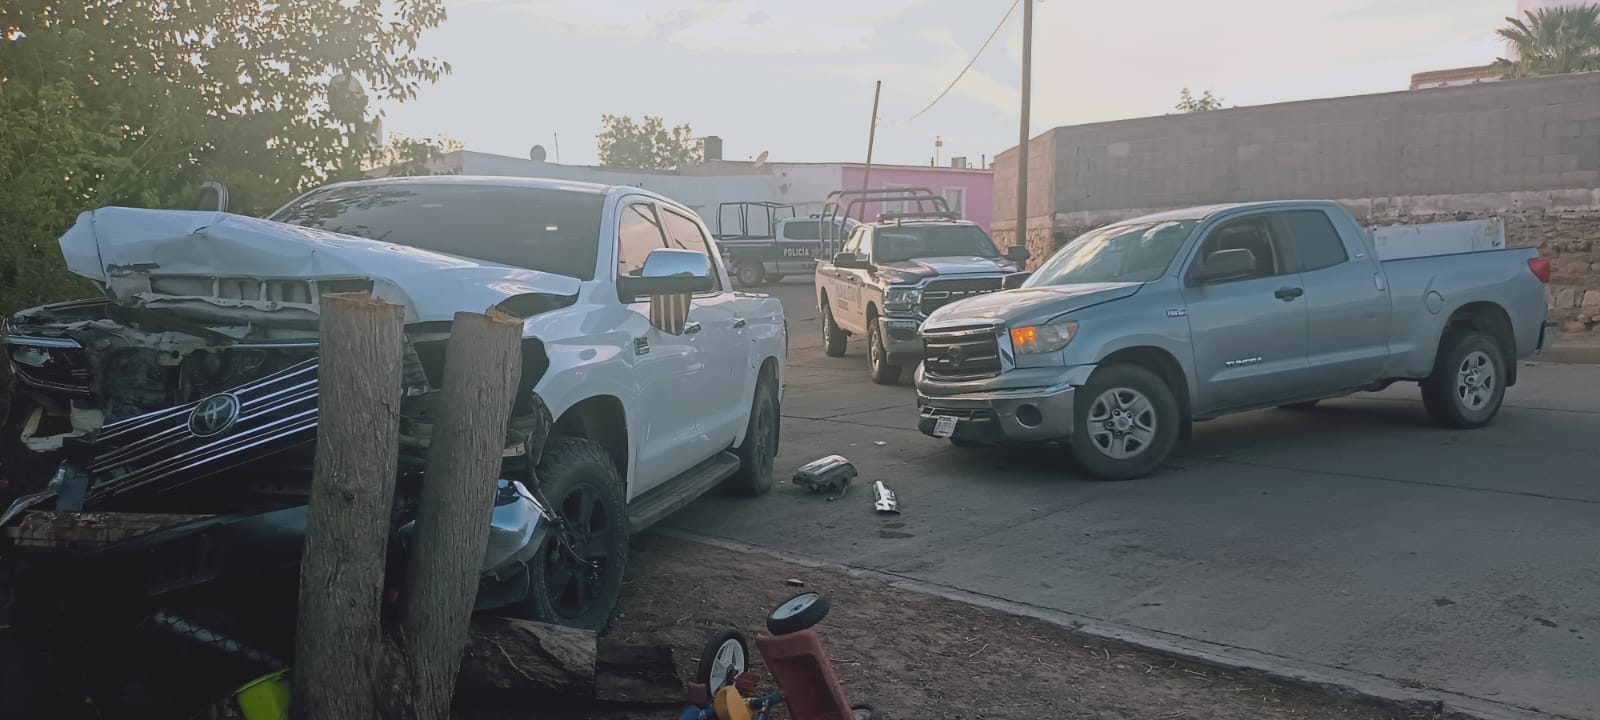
<point x="917" y="657"/>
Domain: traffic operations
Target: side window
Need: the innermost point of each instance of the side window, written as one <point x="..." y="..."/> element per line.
<point x="801" y="230"/>
<point x="684" y="234"/>
<point x="854" y="243"/>
<point x="1252" y="233"/>
<point x="866" y="244"/>
<point x="637" y="234"/>
<point x="1314" y="238"/>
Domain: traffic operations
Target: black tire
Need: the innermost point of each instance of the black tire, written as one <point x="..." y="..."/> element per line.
<point x="1095" y="449"/>
<point x="581" y="483"/>
<point x="878" y="366"/>
<point x="865" y="712"/>
<point x="720" y="642"/>
<point x="751" y="275"/>
<point x="798" y="613"/>
<point x="1451" y="392"/>
<point x="833" y="339"/>
<point x="760" y="447"/>
<point x="1295" y="407"/>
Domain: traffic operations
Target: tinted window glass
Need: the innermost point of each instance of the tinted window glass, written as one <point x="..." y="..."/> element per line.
<point x="801" y="230"/>
<point x="637" y="234"/>
<point x="1135" y="252"/>
<point x="1250" y="233"/>
<point x="895" y="243"/>
<point x="684" y="234"/>
<point x="1315" y="238"/>
<point x="541" y="229"/>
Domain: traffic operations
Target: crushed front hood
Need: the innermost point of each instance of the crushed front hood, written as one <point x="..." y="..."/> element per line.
<point x="143" y="254"/>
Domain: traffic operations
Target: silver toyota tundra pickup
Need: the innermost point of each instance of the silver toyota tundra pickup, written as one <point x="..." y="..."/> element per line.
<point x="1130" y="333"/>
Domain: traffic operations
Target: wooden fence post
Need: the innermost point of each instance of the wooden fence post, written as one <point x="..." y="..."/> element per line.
<point x="481" y="369"/>
<point x="338" y="636"/>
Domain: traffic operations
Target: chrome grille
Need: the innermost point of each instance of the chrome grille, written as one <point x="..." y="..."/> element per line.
<point x="938" y="293"/>
<point x="961" y="353"/>
<point x="275" y="413"/>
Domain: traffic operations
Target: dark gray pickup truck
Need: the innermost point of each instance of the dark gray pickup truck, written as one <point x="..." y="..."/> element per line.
<point x="1130" y="333"/>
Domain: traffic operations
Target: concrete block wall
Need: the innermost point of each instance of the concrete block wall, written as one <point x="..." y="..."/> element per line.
<point x="1525" y="150"/>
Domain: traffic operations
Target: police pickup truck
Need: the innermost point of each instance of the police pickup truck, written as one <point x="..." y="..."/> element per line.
<point x="889" y="275"/>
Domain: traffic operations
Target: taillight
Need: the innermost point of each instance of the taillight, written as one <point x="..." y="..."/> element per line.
<point x="1541" y="269"/>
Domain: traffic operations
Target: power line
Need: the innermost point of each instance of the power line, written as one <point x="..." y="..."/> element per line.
<point x="970" y="62"/>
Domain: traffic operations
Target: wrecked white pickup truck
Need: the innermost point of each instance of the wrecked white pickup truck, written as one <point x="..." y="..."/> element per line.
<point x="177" y="415"/>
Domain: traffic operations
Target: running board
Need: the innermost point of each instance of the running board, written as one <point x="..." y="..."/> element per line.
<point x="676" y="494"/>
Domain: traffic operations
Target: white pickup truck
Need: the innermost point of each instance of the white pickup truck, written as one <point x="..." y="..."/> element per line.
<point x="190" y="388"/>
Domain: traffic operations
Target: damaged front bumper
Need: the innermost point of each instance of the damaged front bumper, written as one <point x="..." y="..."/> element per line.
<point x="999" y="415"/>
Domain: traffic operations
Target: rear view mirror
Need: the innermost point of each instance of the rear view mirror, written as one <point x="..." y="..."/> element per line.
<point x="1014" y="280"/>
<point x="849" y="261"/>
<point x="1018" y="254"/>
<point x="1227" y="264"/>
<point x="669" y="272"/>
<point x="213" y="196"/>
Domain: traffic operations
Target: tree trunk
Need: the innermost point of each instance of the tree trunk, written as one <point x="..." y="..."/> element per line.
<point x="338" y="635"/>
<point x="508" y="659"/>
<point x="482" y="366"/>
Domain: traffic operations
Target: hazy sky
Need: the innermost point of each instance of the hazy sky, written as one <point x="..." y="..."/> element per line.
<point x="794" y="77"/>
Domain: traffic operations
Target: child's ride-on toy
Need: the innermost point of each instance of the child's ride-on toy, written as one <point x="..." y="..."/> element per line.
<point x="798" y="662"/>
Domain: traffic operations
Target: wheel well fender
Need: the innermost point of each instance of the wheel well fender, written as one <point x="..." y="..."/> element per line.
<point x="1491" y="319"/>
<point x="1166" y="367"/>
<point x="600" y="419"/>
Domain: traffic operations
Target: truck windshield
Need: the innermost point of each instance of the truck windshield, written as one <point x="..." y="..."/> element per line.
<point x="554" y="231"/>
<point x="1139" y="252"/>
<point x="895" y="243"/>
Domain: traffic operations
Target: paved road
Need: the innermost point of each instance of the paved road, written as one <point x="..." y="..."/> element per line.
<point x="1354" y="536"/>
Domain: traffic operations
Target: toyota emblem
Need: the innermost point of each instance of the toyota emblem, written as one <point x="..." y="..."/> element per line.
<point x="214" y="415"/>
<point x="955" y="356"/>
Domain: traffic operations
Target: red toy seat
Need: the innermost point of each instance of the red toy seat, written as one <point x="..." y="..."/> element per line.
<point x="800" y="667"/>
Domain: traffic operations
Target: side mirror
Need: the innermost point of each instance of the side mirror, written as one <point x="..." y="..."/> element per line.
<point x="213" y="196"/>
<point x="850" y="261"/>
<point x="1018" y="254"/>
<point x="1014" y="280"/>
<point x="1227" y="264"/>
<point x="669" y="272"/>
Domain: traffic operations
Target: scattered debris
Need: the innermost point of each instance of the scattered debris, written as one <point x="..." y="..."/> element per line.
<point x="879" y="443"/>
<point x="883" y="499"/>
<point x="831" y="474"/>
<point x="795" y="582"/>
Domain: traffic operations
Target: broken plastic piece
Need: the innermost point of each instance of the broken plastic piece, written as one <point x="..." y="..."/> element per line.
<point x="795" y="582"/>
<point x="883" y="499"/>
<point x="830" y="474"/>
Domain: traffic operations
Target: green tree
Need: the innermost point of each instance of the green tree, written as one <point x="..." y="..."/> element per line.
<point x="138" y="102"/>
<point x="1553" y="41"/>
<point x="650" y="144"/>
<point x="1187" y="102"/>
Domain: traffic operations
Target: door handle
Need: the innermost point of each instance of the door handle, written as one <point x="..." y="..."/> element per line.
<point x="738" y="323"/>
<point x="1288" y="294"/>
<point x="691" y="328"/>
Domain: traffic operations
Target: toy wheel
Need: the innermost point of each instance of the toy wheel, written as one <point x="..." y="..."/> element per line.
<point x="726" y="657"/>
<point x="865" y="712"/>
<point x="798" y="613"/>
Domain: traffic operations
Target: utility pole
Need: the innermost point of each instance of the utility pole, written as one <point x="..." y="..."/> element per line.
<point x="1022" y="135"/>
<point x="872" y="135"/>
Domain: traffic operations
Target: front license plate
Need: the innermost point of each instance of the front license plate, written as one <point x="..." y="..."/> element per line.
<point x="944" y="427"/>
